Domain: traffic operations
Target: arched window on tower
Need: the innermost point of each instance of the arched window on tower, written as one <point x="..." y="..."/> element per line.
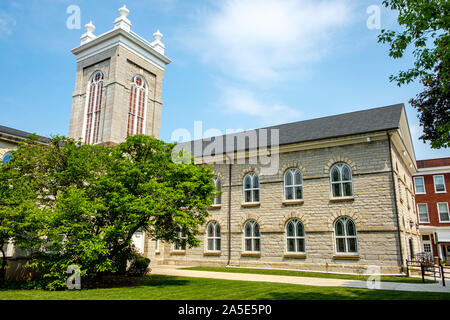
<point x="138" y="106"/>
<point x="93" y="108"/>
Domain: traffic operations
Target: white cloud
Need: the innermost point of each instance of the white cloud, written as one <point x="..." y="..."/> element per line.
<point x="7" y="23"/>
<point x="241" y="101"/>
<point x="266" y="40"/>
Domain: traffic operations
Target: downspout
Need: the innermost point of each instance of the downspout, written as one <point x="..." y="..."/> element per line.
<point x="229" y="213"/>
<point x="395" y="199"/>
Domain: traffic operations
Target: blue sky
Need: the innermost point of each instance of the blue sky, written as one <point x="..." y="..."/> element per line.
<point x="236" y="64"/>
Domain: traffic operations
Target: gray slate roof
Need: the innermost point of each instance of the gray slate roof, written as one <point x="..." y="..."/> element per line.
<point x="20" y="134"/>
<point x="347" y="124"/>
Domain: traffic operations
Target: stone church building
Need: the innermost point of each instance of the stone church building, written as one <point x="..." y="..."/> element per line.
<point x="341" y="198"/>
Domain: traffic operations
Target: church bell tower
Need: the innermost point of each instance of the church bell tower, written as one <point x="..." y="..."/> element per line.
<point x="118" y="84"/>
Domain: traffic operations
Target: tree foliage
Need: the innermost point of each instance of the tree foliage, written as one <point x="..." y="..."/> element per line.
<point x="426" y="26"/>
<point x="94" y="198"/>
<point x="433" y="105"/>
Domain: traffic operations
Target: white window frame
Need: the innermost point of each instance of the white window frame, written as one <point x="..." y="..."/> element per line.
<point x="293" y="172"/>
<point x="434" y="182"/>
<point x="341" y="182"/>
<point x="214" y="237"/>
<point x="157" y="244"/>
<point x="94" y="107"/>
<point x="418" y="213"/>
<point x="295" y="237"/>
<point x="345" y="237"/>
<point x="439" y="212"/>
<point x="423" y="183"/>
<point x="142" y="89"/>
<point x="252" y="237"/>
<point x="252" y="188"/>
<point x="178" y="244"/>
<point x="218" y="184"/>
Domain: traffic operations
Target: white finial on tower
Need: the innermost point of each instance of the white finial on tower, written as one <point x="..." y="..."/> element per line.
<point x="122" y="22"/>
<point x="157" y="44"/>
<point x="89" y="35"/>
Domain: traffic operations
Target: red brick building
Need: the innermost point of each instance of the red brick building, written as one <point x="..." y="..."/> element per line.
<point x="432" y="190"/>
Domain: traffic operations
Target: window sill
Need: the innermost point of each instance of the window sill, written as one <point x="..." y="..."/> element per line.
<point x="250" y="204"/>
<point x="251" y="254"/>
<point x="346" y="257"/>
<point x="295" y="255"/>
<point x="215" y="207"/>
<point x="292" y="202"/>
<point x="177" y="253"/>
<point x="212" y="253"/>
<point x="342" y="199"/>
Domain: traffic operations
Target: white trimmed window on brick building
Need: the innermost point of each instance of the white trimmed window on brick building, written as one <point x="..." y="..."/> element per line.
<point x="443" y="212"/>
<point x="419" y="185"/>
<point x="439" y="184"/>
<point x="422" y="210"/>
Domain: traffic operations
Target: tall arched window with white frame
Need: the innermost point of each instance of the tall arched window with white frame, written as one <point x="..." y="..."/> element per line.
<point x="138" y="106"/>
<point x="293" y="185"/>
<point x="251" y="188"/>
<point x="213" y="237"/>
<point x="295" y="236"/>
<point x="345" y="235"/>
<point x="218" y="185"/>
<point x="252" y="237"/>
<point x="93" y="108"/>
<point x="341" y="181"/>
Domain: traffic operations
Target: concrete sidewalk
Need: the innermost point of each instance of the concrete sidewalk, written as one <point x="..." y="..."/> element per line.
<point x="320" y="282"/>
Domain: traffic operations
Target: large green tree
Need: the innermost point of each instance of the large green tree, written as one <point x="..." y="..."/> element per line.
<point x="95" y="198"/>
<point x="424" y="29"/>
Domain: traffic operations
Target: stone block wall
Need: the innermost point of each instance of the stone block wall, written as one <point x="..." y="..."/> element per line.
<point x="372" y="209"/>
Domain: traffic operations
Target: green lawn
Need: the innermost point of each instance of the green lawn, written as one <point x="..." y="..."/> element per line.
<point x="157" y="287"/>
<point x="308" y="274"/>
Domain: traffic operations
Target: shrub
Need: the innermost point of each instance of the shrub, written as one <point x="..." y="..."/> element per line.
<point x="138" y="266"/>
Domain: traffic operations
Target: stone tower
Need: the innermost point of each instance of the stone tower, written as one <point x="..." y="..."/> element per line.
<point x="118" y="84"/>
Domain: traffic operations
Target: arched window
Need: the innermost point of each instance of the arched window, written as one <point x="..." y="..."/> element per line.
<point x="180" y="243"/>
<point x="293" y="185"/>
<point x="251" y="188"/>
<point x="7" y="157"/>
<point x="138" y="106"/>
<point x="213" y="236"/>
<point x="93" y="108"/>
<point x="218" y="185"/>
<point x="295" y="236"/>
<point x="252" y="237"/>
<point x="345" y="235"/>
<point x="341" y="180"/>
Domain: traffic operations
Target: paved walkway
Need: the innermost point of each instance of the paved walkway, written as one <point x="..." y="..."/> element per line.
<point x="320" y="282"/>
